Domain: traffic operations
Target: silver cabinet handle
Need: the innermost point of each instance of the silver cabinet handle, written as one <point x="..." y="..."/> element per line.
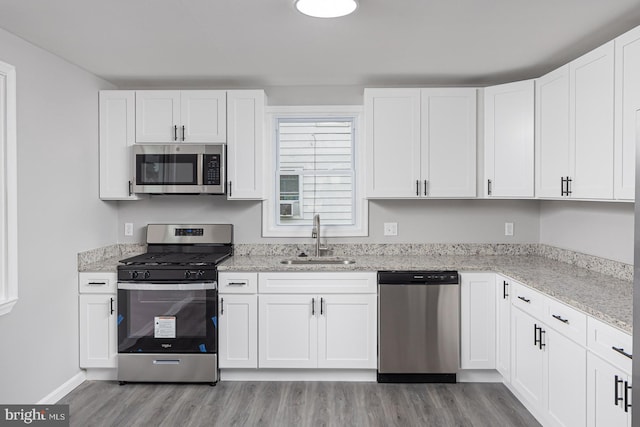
<point x="175" y="132"/>
<point x="489" y="190"/>
<point x="97" y="283"/>
<point x="237" y="284"/>
<point x="221" y="306"/>
<point x="313" y="306"/>
<point x="229" y="188"/>
<point x="417" y="187"/>
<point x="183" y="133"/>
<point x="425" y="187"/>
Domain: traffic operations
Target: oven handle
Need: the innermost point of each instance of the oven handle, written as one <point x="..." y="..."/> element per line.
<point x="167" y="286"/>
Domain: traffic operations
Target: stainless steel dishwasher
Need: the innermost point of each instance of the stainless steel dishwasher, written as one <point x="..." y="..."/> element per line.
<point x="418" y="326"/>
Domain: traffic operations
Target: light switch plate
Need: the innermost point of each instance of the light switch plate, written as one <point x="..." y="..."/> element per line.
<point x="128" y="229"/>
<point x="390" y="228"/>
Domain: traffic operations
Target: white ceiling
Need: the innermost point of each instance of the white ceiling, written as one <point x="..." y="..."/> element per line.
<point x="237" y="43"/>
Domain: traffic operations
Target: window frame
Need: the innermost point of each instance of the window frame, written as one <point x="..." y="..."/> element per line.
<point x="8" y="191"/>
<point x="270" y="227"/>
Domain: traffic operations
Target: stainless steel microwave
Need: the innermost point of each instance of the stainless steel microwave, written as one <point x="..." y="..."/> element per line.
<point x="179" y="169"/>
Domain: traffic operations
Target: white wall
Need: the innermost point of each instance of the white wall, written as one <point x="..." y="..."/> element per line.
<point x="596" y="228"/>
<point x="59" y="215"/>
<point x="419" y="221"/>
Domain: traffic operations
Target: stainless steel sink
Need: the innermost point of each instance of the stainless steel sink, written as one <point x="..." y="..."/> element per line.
<point x="317" y="260"/>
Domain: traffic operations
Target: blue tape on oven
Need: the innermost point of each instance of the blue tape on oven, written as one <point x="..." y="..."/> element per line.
<point x="214" y="319"/>
<point x="120" y="318"/>
<point x="203" y="349"/>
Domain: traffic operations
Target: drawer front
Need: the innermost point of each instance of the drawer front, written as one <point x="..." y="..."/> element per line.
<point x="610" y="344"/>
<point x="97" y="283"/>
<point x="318" y="283"/>
<point x="530" y="301"/>
<point x="566" y="320"/>
<point x="237" y="283"/>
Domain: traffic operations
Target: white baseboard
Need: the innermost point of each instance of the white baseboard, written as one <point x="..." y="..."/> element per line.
<point x="63" y="390"/>
<point x="360" y="375"/>
<point x="479" y="376"/>
<point x="99" y="374"/>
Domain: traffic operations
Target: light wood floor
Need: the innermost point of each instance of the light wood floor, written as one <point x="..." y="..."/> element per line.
<point x="102" y="403"/>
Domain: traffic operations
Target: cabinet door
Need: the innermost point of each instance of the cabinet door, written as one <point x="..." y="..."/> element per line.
<point x="627" y="112"/>
<point x="503" y="326"/>
<point x="509" y="129"/>
<point x="98" y="331"/>
<point x="448" y="154"/>
<point x="591" y="117"/>
<point x="288" y="331"/>
<point x="203" y="116"/>
<point x="347" y="331"/>
<point x="478" y="321"/>
<point x="392" y="138"/>
<point x="605" y="396"/>
<point x="238" y="328"/>
<point x="157" y="116"/>
<point x="527" y="360"/>
<point x="552" y="132"/>
<point x="566" y="375"/>
<point x="117" y="135"/>
<point x="245" y="141"/>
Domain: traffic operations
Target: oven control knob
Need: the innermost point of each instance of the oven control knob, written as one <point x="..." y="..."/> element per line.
<point x="133" y="274"/>
<point x="187" y="274"/>
<point x="200" y="274"/>
<point x="147" y="274"/>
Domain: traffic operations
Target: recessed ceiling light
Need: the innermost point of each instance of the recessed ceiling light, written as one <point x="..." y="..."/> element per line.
<point x="326" y="8"/>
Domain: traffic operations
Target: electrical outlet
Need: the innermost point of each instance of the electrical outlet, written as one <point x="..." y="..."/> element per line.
<point x="390" y="228"/>
<point x="508" y="229"/>
<point x="128" y="229"/>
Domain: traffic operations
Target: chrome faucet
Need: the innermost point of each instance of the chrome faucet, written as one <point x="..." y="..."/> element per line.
<point x="315" y="233"/>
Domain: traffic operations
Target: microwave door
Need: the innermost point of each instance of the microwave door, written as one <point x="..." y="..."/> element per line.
<point x="167" y="173"/>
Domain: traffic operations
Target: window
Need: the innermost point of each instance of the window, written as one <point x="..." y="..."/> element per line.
<point x="8" y="188"/>
<point x="315" y="169"/>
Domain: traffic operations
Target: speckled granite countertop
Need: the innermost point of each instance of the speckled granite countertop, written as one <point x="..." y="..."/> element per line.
<point x="602" y="296"/>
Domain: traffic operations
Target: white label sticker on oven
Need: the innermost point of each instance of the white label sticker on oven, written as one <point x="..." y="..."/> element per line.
<point x="165" y="327"/>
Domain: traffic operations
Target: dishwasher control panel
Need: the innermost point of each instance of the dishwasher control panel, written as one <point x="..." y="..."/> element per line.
<point x="418" y="277"/>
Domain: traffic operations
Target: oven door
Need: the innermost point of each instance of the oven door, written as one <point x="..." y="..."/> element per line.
<point x="167" y="318"/>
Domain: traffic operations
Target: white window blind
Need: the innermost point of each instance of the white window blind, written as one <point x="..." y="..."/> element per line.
<point x="315" y="171"/>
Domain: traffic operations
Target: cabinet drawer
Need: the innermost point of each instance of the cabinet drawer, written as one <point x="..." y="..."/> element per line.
<point x="610" y="343"/>
<point x="317" y="283"/>
<point x="566" y="320"/>
<point x="238" y="283"/>
<point x="97" y="283"/>
<point x="530" y="301"/>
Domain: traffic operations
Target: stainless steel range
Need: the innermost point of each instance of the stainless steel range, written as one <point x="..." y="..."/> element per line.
<point x="168" y="305"/>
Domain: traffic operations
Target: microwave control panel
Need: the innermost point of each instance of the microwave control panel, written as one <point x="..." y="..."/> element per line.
<point x="211" y="170"/>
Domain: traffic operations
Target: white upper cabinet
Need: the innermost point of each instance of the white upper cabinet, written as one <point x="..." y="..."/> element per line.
<point x="171" y="116"/>
<point x="420" y="142"/>
<point x="552" y="133"/>
<point x="574" y="127"/>
<point x="392" y="135"/>
<point x="117" y="135"/>
<point x="448" y="149"/>
<point x="627" y="112"/>
<point x="591" y="89"/>
<point x="509" y="139"/>
<point x="245" y="142"/>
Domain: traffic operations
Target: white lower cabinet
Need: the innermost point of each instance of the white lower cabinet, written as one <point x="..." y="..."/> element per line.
<point x="549" y="360"/>
<point x="566" y="388"/>
<point x="288" y="336"/>
<point x="317" y="320"/>
<point x="527" y="359"/>
<point x="312" y="331"/>
<point x="477" y="321"/>
<point x="347" y="331"/>
<point x="608" y="394"/>
<point x="238" y="331"/>
<point x="97" y="318"/>
<point x="503" y="326"/>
